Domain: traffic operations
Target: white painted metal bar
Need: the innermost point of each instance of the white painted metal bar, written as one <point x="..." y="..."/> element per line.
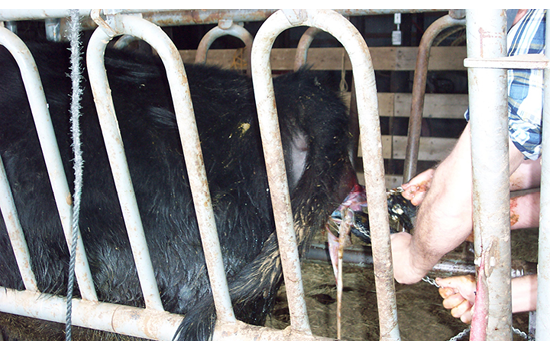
<point x="490" y="169"/>
<point x="15" y="232"/>
<point x="177" y="79"/>
<point x="46" y="135"/>
<point x="350" y="38"/>
<point x="225" y="27"/>
<point x="138" y="322"/>
<point x="543" y="294"/>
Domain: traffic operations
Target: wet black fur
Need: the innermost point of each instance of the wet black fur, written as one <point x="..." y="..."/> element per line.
<point x="224" y="107"/>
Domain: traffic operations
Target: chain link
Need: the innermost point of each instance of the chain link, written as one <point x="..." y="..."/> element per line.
<point x="460" y="335"/>
<point x="430" y="281"/>
<point x="523" y="334"/>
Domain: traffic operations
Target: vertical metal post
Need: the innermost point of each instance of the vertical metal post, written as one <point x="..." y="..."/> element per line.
<point x="543" y="296"/>
<point x="490" y="169"/>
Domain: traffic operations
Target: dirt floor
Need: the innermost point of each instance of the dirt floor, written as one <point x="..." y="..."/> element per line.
<point x="421" y="315"/>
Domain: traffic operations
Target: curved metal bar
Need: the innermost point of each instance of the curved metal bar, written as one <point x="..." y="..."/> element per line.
<point x="15" y="232"/>
<point x="225" y="27"/>
<point x="303" y="45"/>
<point x="351" y="39"/>
<point x="419" y="90"/>
<point x="179" y="88"/>
<point x="50" y="150"/>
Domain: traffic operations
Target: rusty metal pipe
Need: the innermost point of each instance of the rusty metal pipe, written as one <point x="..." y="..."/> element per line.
<point x="303" y="45"/>
<point x="419" y="89"/>
<point x="174" y="17"/>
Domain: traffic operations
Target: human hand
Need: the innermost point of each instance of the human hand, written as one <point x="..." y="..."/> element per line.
<point x="415" y="190"/>
<point x="404" y="270"/>
<point x="458" y="295"/>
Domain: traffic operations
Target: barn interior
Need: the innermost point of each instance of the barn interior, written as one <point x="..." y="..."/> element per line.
<point x="394" y="39"/>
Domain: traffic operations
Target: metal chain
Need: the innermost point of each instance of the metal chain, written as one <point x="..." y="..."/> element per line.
<point x="463" y="333"/>
<point x="523" y="334"/>
<point x="460" y="335"/>
<point x="430" y="281"/>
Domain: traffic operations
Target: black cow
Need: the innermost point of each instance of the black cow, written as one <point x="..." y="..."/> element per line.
<point x="316" y="138"/>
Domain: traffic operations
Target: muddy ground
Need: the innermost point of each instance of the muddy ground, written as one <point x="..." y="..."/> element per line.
<point x="421" y="315"/>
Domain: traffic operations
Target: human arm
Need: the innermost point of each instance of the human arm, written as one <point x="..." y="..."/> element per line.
<point x="459" y="294"/>
<point x="444" y="219"/>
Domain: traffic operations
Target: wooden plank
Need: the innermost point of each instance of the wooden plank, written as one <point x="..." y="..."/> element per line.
<point x="435" y="105"/>
<point x="330" y="58"/>
<point x="385" y="102"/>
<point x="392" y="180"/>
<point x="431" y="148"/>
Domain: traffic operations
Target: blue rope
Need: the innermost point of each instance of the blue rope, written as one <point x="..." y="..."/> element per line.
<point x="74" y="38"/>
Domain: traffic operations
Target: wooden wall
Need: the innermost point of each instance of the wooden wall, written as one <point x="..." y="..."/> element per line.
<point x="448" y="106"/>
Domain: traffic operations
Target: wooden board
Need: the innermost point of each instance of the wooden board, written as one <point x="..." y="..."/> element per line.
<point x="335" y="58"/>
<point x="435" y="105"/>
<point x="431" y="148"/>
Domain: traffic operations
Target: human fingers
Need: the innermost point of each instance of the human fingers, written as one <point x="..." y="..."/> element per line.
<point x="467" y="316"/>
<point x="453" y="301"/>
<point x="461" y="310"/>
<point x="465" y="285"/>
<point x="415" y="190"/>
<point x="446" y="291"/>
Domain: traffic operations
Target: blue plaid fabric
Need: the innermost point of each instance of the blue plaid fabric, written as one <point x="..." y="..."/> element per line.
<point x="525" y="87"/>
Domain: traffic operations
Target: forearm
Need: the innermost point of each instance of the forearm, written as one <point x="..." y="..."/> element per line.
<point x="444" y="219"/>
<point x="525" y="210"/>
<point x="527" y="175"/>
<point x="524" y="293"/>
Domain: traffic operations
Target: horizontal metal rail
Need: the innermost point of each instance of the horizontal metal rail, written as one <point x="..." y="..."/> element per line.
<point x="174" y="17"/>
<point x="138" y="322"/>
